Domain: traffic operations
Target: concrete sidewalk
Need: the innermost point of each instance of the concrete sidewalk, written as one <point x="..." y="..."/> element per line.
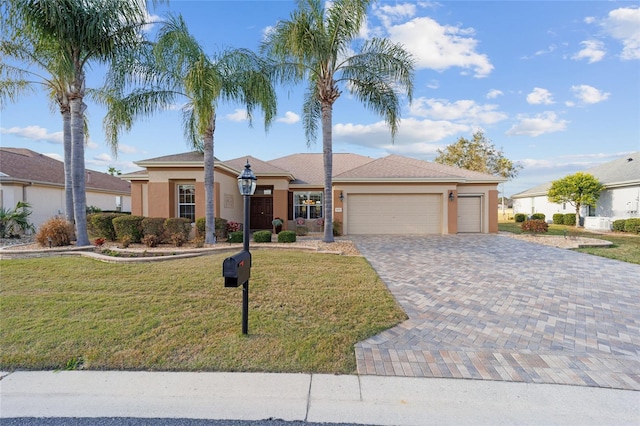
<point x="310" y="397"/>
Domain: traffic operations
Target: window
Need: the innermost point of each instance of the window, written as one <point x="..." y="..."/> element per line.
<point x="591" y="210"/>
<point x="187" y="202"/>
<point x="307" y="205"/>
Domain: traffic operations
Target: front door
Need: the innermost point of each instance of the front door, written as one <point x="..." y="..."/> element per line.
<point x="261" y="212"/>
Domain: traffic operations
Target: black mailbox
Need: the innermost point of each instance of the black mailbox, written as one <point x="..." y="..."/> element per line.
<point x="236" y="269"/>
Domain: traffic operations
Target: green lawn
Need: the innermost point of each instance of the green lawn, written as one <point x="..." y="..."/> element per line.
<point x="306" y="312"/>
<point x="626" y="247"/>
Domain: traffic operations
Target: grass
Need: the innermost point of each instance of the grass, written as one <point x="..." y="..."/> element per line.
<point x="625" y="247"/>
<point x="306" y="311"/>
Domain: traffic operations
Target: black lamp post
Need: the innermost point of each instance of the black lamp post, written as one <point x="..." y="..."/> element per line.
<point x="247" y="186"/>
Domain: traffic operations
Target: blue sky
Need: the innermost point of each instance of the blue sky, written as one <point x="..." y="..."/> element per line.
<point x="555" y="84"/>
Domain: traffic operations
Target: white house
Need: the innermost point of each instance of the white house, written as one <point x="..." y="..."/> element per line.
<point x="619" y="200"/>
<point x="34" y="178"/>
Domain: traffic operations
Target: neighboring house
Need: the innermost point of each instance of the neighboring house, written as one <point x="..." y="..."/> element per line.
<point x="390" y="195"/>
<point x="619" y="200"/>
<point x="34" y="178"/>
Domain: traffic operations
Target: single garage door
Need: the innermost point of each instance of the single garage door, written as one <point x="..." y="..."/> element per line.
<point x="394" y="214"/>
<point x="469" y="214"/>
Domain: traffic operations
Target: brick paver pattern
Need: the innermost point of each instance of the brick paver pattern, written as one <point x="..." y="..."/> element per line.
<point x="494" y="308"/>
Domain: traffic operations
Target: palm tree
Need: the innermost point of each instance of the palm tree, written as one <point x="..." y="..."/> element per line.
<point x="176" y="68"/>
<point x="318" y="44"/>
<point x="15" y="80"/>
<point x="79" y="32"/>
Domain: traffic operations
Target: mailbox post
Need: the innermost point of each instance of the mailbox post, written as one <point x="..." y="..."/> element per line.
<point x="237" y="268"/>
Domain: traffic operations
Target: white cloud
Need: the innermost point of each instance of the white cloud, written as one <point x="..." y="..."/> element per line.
<point x="441" y="47"/>
<point x="289" y="118"/>
<point x="127" y="149"/>
<point x="589" y="20"/>
<point x="392" y="13"/>
<point x="540" y="96"/>
<point x="588" y="94"/>
<point x="593" y="51"/>
<point x="540" y="124"/>
<point x="433" y="84"/>
<point x="238" y="115"/>
<point x="35" y="133"/>
<point x="465" y="111"/>
<point x="103" y="157"/>
<point x="410" y="131"/>
<point x="54" y="156"/>
<point x="624" y="24"/>
<point x="494" y="93"/>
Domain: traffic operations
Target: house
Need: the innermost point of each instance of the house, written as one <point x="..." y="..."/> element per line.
<point x="34" y="178"/>
<point x="390" y="195"/>
<point x="619" y="200"/>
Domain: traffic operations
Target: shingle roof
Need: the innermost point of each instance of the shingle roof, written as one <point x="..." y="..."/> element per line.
<point x="399" y="167"/>
<point x="26" y="165"/>
<point x="184" y="157"/>
<point x="258" y="166"/>
<point x="616" y="172"/>
<point x="308" y="168"/>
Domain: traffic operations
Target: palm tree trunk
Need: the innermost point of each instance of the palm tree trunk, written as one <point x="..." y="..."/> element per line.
<point x="68" y="179"/>
<point x="327" y="153"/>
<point x="210" y="221"/>
<point x="77" y="159"/>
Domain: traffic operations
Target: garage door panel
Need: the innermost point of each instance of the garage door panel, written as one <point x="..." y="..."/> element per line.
<point x="394" y="214"/>
<point x="469" y="214"/>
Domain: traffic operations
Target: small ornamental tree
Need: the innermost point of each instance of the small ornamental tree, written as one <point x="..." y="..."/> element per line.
<point x="579" y="189"/>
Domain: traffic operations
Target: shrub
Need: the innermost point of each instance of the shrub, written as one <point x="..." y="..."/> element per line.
<point x="198" y="242"/>
<point x="569" y="219"/>
<point x="221" y="227"/>
<point x="151" y="240"/>
<point x="178" y="239"/>
<point x="632" y="225"/>
<point x="558" y="218"/>
<point x="262" y="236"/>
<point x="125" y="241"/>
<point x="287" y="237"/>
<point x="93" y="209"/>
<point x="14" y="221"/>
<point x="235" y="237"/>
<point x="234" y="226"/>
<point x="337" y="228"/>
<point x="618" y="225"/>
<point x="201" y="226"/>
<point x="520" y="217"/>
<point x="178" y="225"/>
<point x="128" y="226"/>
<point x="302" y="230"/>
<point x="57" y="232"/>
<point x="99" y="242"/>
<point x="538" y="216"/>
<point x="534" y="226"/>
<point x="102" y="225"/>
<point x="153" y="226"/>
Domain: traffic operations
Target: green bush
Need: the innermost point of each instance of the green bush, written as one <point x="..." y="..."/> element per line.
<point x="632" y="225"/>
<point x="128" y="226"/>
<point x="153" y="226"/>
<point x="178" y="225"/>
<point x="235" y="237"/>
<point x="618" y="225"/>
<point x="201" y="226"/>
<point x="520" y="217"/>
<point x="102" y="225"/>
<point x="538" y="216"/>
<point x="302" y="230"/>
<point x="570" y="219"/>
<point x="337" y="228"/>
<point x="558" y="219"/>
<point x="262" y="236"/>
<point x="151" y="240"/>
<point x="221" y="228"/>
<point x="534" y="226"/>
<point x="287" y="237"/>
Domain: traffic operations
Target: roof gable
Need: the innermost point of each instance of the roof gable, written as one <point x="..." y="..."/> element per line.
<point x="26" y="165"/>
<point x="308" y="168"/>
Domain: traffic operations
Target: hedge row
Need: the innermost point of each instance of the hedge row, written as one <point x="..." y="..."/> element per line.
<point x="627" y="225"/>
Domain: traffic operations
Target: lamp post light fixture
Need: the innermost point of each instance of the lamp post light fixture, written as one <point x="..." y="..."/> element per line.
<point x="341" y="197"/>
<point x="247" y="187"/>
<point x="451" y="196"/>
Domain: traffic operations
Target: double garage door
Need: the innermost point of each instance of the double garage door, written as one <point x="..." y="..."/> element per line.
<point x="394" y="214"/>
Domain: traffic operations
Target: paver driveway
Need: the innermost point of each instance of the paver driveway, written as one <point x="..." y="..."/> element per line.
<point x="492" y="307"/>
